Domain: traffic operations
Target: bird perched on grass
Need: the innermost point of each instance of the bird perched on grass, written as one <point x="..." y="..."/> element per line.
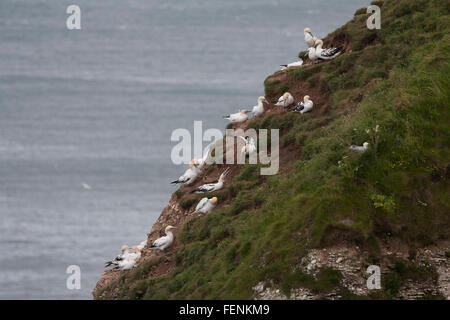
<point x="304" y="106"/>
<point x="258" y="110"/>
<point x="362" y="148"/>
<point x="285" y="100"/>
<point x="163" y="243"/>
<point x="326" y="54"/>
<point x="309" y="38"/>
<point x="237" y="117"/>
<point x="209" y="187"/>
<point x="205" y="205"/>
<point x="190" y="174"/>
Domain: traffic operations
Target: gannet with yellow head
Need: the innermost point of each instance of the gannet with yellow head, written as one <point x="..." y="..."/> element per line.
<point x="164" y="242"/>
<point x="285" y="100"/>
<point x="190" y="174"/>
<point x="205" y="205"/>
<point x="258" y="110"/>
<point x="237" y="117"/>
<point x="304" y="106"/>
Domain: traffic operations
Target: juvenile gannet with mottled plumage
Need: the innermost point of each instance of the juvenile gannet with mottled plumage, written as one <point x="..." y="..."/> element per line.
<point x="304" y="106"/>
<point x="164" y="242"/>
<point x="285" y="100"/>
<point x="249" y="146"/>
<point x="209" y="187"/>
<point x="326" y="54"/>
<point x="237" y="117"/>
<point x="309" y="38"/>
<point x="362" y="148"/>
<point x="190" y="174"/>
<point x="205" y="205"/>
<point x="120" y="257"/>
<point x="258" y="110"/>
<point x="292" y="64"/>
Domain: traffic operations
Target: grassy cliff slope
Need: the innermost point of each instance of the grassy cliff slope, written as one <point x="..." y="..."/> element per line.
<point x="396" y="79"/>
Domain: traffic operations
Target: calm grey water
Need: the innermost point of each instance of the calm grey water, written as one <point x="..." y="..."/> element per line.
<point x="97" y="106"/>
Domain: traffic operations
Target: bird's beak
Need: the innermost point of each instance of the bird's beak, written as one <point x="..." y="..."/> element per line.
<point x="265" y="100"/>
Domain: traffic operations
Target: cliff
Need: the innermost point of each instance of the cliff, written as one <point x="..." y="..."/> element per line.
<point x="312" y="230"/>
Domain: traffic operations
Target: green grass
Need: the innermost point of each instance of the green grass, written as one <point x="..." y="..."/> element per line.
<point x="398" y="78"/>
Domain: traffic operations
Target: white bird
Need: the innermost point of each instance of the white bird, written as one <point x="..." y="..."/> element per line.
<point x="201" y="162"/>
<point x="86" y="186"/>
<point x="362" y="148"/>
<point x="126" y="264"/>
<point x="190" y="174"/>
<point x="304" y="106"/>
<point x="164" y="242"/>
<point x="326" y="54"/>
<point x="309" y="38"/>
<point x="292" y="64"/>
<point x="205" y="205"/>
<point x="249" y="146"/>
<point x="120" y="257"/>
<point x="209" y="187"/>
<point x="258" y="110"/>
<point x="312" y="54"/>
<point x="285" y="100"/>
<point x="237" y="117"/>
<point x="136" y="254"/>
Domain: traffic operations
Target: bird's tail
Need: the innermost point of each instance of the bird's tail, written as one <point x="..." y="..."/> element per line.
<point x="109" y="263"/>
<point x="283" y="65"/>
<point x="226" y="117"/>
<point x="175" y="182"/>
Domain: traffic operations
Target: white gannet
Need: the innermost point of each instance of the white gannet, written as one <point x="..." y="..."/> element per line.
<point x="209" y="187"/>
<point x="309" y="38"/>
<point x="312" y="54"/>
<point x="237" y="117"/>
<point x="207" y="153"/>
<point x="249" y="146"/>
<point x="136" y="254"/>
<point x="205" y="205"/>
<point x="304" y="106"/>
<point x="190" y="174"/>
<point x="326" y="54"/>
<point x="126" y="264"/>
<point x="258" y="110"/>
<point x="164" y="242"/>
<point x="120" y="257"/>
<point x="362" y="148"/>
<point x="285" y="100"/>
<point x="142" y="245"/>
<point x="292" y="64"/>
